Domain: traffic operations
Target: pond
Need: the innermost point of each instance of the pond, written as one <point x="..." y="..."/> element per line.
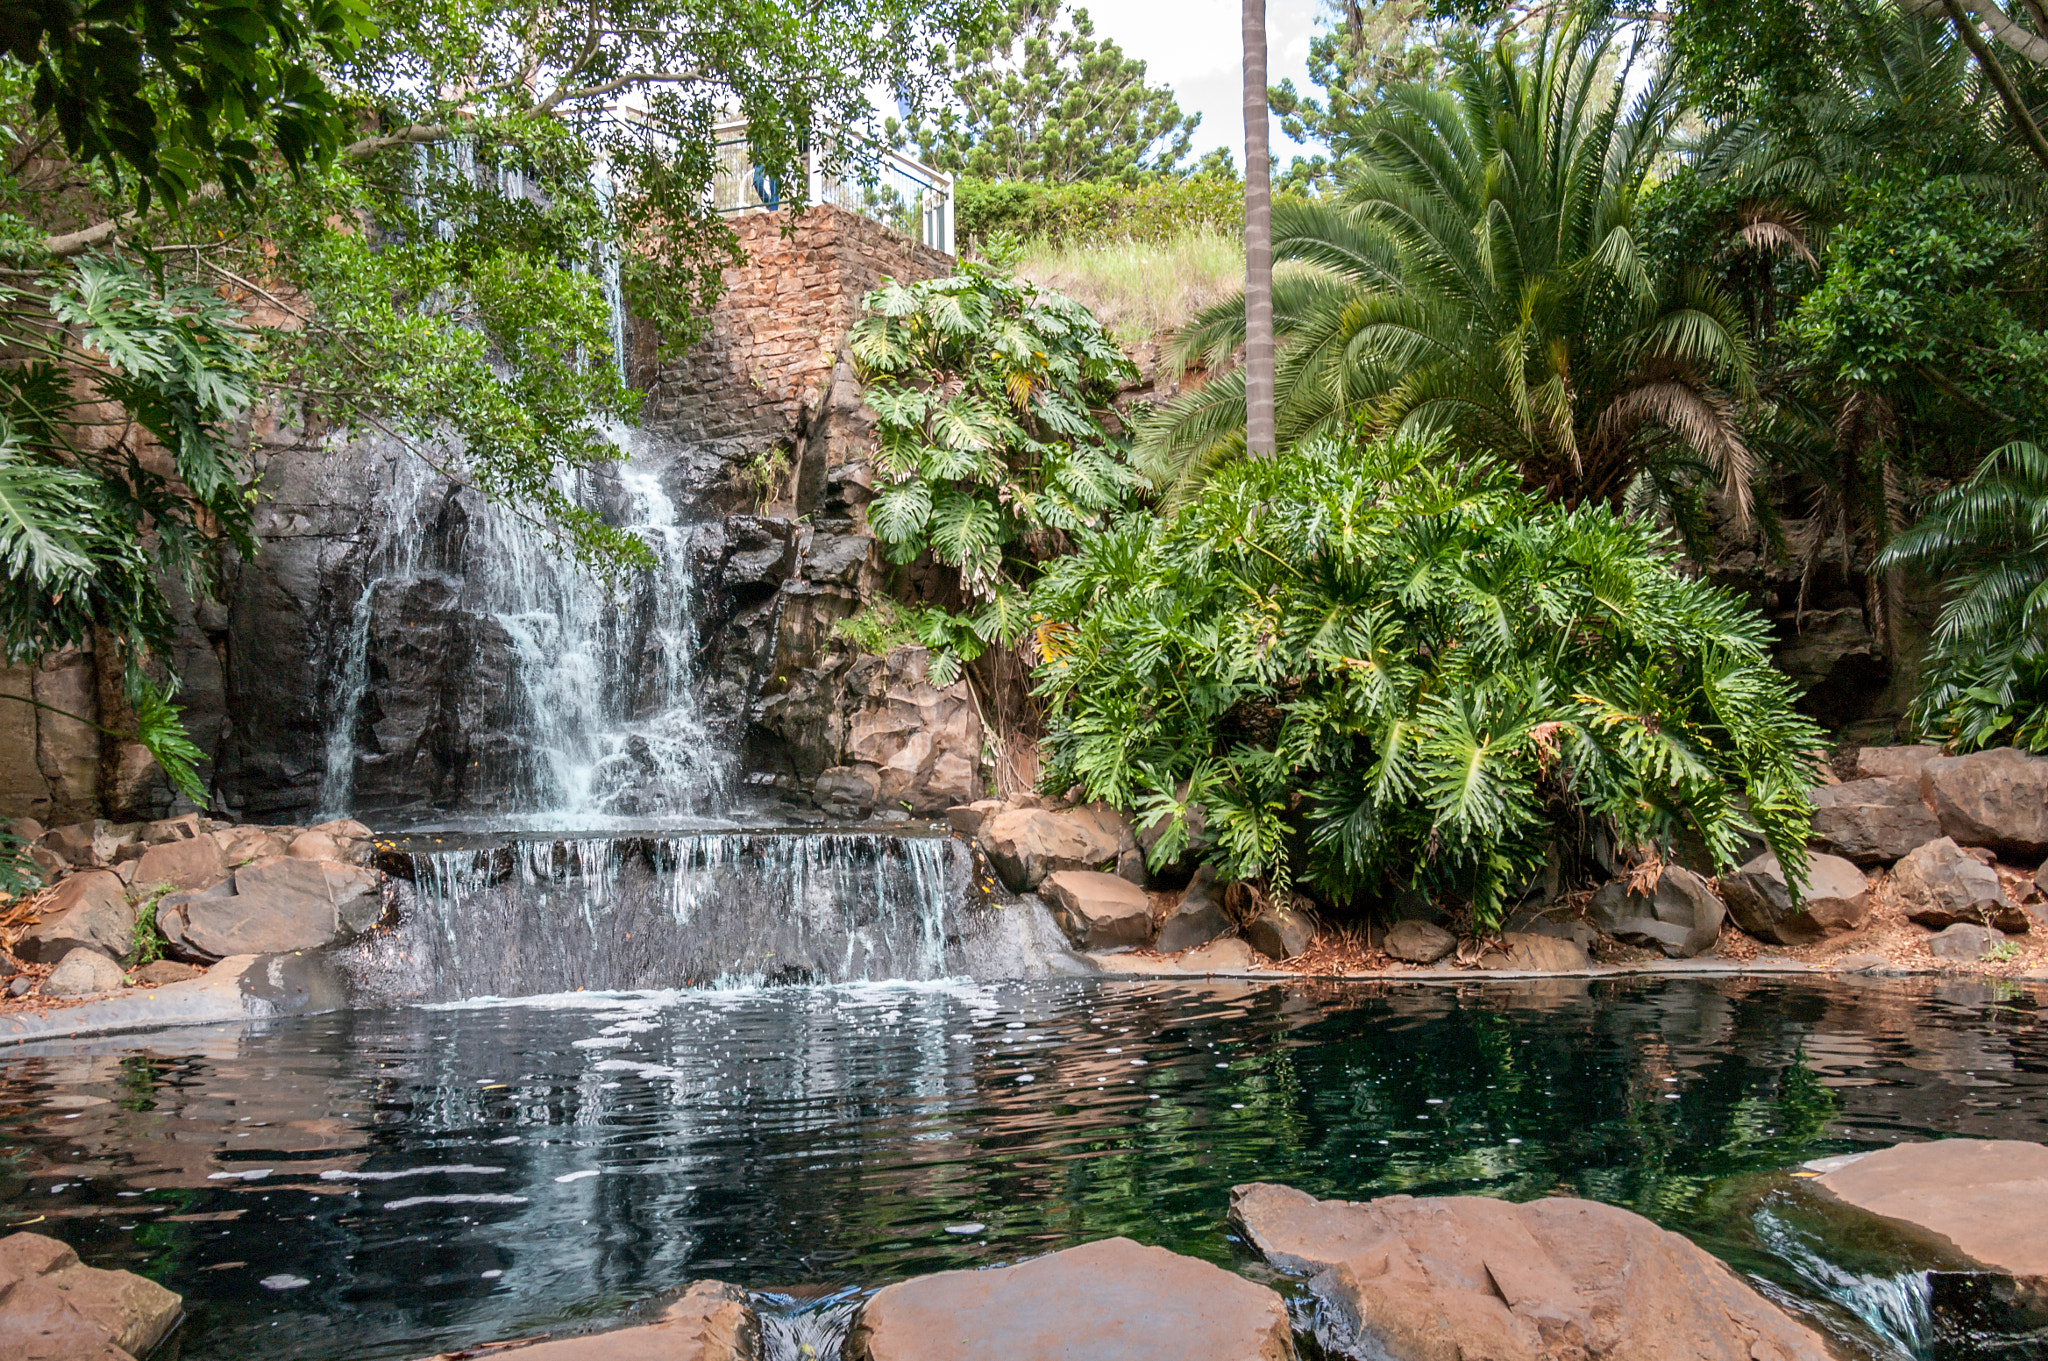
<point x="398" y="1181"/>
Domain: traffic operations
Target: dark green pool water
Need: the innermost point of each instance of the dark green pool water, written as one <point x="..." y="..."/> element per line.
<point x="395" y="1183"/>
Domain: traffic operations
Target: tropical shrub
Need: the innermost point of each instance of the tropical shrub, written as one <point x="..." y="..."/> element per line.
<point x="1986" y="681"/>
<point x="994" y="440"/>
<point x="1479" y="273"/>
<point x="1385" y="666"/>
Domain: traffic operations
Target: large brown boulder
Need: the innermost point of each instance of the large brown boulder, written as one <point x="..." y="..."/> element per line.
<point x="1940" y="884"/>
<point x="1681" y="916"/>
<point x="191" y="865"/>
<point x="1098" y="911"/>
<point x="1460" y="1278"/>
<point x="83" y="973"/>
<point x="1106" y="1301"/>
<point x="1985" y="1198"/>
<point x="1280" y="932"/>
<point x="279" y="905"/>
<point x="1026" y="844"/>
<point x="1996" y="798"/>
<point x="1891" y="763"/>
<point x="54" y="1309"/>
<point x="1871" y="822"/>
<point x="1837" y="900"/>
<point x="711" y="1322"/>
<point x="89" y="909"/>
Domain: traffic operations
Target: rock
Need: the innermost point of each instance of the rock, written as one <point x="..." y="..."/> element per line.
<point x="1418" y="942"/>
<point x="847" y="791"/>
<point x="54" y="1309"/>
<point x="82" y="973"/>
<point x="90" y="909"/>
<point x="1540" y="954"/>
<point x="1106" y="1301"/>
<point x="966" y="818"/>
<point x="28" y="829"/>
<point x="164" y="830"/>
<point x="1996" y="798"/>
<point x="1440" y="1279"/>
<point x="1026" y="844"/>
<point x="1941" y="884"/>
<point x="1279" y="932"/>
<point x="1986" y="1197"/>
<point x="1130" y="865"/>
<point x="1837" y="900"/>
<point x="924" y="743"/>
<point x="158" y="972"/>
<point x="1892" y="763"/>
<point x="1230" y="955"/>
<point x="1098" y="910"/>
<point x="1964" y="943"/>
<point x="711" y="1322"/>
<point x="1580" y="933"/>
<point x="1681" y="916"/>
<point x="88" y="845"/>
<point x="1871" y="821"/>
<point x="355" y="842"/>
<point x="1197" y="919"/>
<point x="241" y="846"/>
<point x="190" y="865"/>
<point x="20" y="985"/>
<point x="2041" y="878"/>
<point x="280" y="905"/>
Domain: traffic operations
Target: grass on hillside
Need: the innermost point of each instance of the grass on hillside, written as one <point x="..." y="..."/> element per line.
<point x="1140" y="291"/>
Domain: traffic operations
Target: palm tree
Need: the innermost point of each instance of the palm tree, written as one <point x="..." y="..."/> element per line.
<point x="1258" y="236"/>
<point x="1987" y="537"/>
<point x="1481" y="275"/>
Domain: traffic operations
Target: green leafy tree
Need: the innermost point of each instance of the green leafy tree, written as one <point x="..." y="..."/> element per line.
<point x="1386" y="665"/>
<point x="1363" y="50"/>
<point x="1482" y="274"/>
<point x="424" y="204"/>
<point x="995" y="442"/>
<point x="1049" y="102"/>
<point x="1986" y="682"/>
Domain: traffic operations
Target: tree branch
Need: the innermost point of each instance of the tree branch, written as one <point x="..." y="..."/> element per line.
<point x="2001" y="80"/>
<point x="609" y="87"/>
<point x="419" y="134"/>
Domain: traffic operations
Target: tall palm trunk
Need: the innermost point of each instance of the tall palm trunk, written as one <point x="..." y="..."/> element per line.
<point x="1258" y="239"/>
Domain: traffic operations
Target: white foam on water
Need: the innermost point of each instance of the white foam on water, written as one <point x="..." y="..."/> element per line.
<point x="449" y="1170"/>
<point x="410" y="1201"/>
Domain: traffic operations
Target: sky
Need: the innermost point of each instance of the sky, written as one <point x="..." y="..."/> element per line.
<point x="1196" y="46"/>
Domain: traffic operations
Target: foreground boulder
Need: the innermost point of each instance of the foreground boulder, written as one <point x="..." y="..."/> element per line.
<point x="1681" y="916"/>
<point x="89" y="909"/>
<point x="711" y="1322"/>
<point x="1872" y="822"/>
<point x="1965" y="944"/>
<point x="1940" y="884"/>
<point x="54" y="1309"/>
<point x="1837" y="900"/>
<point x="1990" y="798"/>
<point x="1468" y="1277"/>
<point x="1985" y="1198"/>
<point x="277" y="906"/>
<point x="1026" y="844"/>
<point x="191" y="864"/>
<point x="1280" y="932"/>
<point x="1107" y="1301"/>
<point x="1098" y="910"/>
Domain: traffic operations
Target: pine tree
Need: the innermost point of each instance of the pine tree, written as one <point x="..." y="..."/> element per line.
<point x="1049" y="101"/>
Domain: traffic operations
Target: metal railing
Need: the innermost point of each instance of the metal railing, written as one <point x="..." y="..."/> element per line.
<point x="902" y="194"/>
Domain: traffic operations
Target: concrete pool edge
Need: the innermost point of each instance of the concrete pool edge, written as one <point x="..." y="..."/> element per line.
<point x="240" y="988"/>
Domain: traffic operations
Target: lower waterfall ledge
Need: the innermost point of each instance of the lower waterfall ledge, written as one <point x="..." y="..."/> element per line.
<point x="242" y="988"/>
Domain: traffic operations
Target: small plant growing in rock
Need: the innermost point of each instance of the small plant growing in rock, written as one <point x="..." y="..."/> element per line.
<point x="146" y="942"/>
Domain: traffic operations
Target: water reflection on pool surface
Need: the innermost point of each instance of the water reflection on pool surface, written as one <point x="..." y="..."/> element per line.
<point x="398" y="1182"/>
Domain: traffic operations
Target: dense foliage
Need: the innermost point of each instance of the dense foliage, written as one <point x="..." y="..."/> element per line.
<point x="1481" y="273"/>
<point x="1157" y="210"/>
<point x="994" y="442"/>
<point x="1384" y="666"/>
<point x="1986" y="682"/>
<point x="1048" y="102"/>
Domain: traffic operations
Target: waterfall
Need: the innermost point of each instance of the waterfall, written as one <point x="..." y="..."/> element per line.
<point x="1897" y="1306"/>
<point x="723" y="910"/>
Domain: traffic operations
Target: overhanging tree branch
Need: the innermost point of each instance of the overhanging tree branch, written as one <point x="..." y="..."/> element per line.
<point x="2001" y="79"/>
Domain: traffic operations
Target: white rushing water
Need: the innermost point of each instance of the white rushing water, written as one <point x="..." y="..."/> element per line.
<point x="604" y="711"/>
